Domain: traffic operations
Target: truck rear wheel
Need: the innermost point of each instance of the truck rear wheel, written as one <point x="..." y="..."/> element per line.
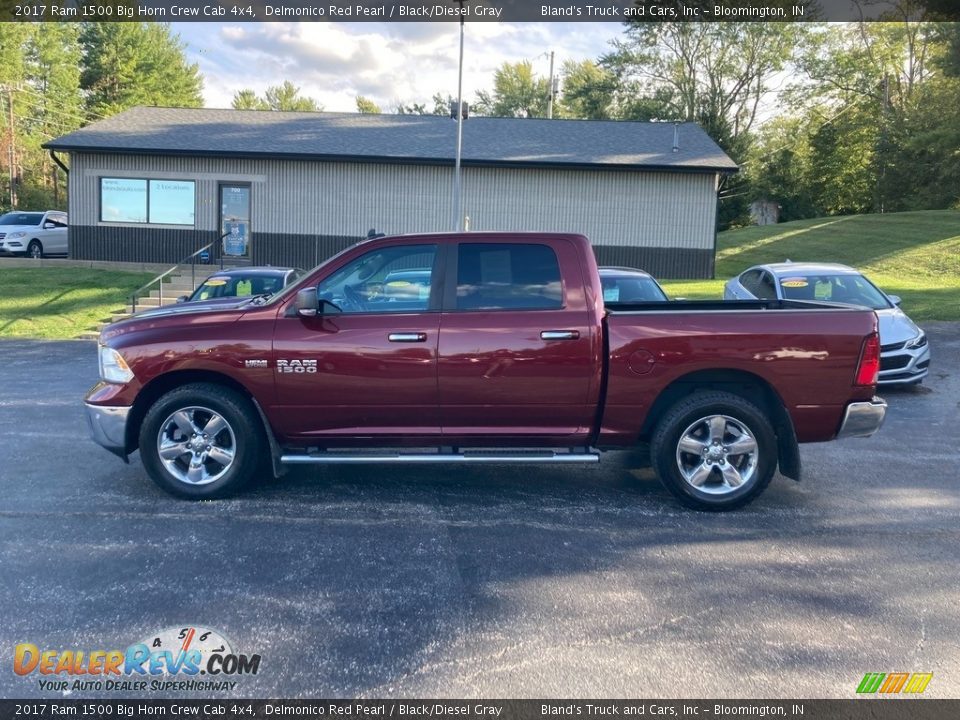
<point x="714" y="451"/>
<point x="199" y="441"/>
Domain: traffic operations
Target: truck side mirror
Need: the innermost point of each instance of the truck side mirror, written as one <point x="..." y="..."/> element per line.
<point x="183" y="299"/>
<point x="306" y="303"/>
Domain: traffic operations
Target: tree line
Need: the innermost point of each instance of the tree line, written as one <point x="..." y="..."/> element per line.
<point x="824" y="119"/>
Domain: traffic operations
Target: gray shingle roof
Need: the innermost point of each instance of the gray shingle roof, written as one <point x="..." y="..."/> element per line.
<point x="421" y="139"/>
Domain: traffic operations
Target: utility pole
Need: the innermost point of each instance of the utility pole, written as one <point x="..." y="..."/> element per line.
<point x="457" y="203"/>
<point x="551" y="90"/>
<point x="11" y="153"/>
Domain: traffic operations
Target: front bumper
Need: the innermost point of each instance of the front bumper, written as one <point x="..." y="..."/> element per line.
<point x="904" y="366"/>
<point x="863" y="419"/>
<point x="108" y="427"/>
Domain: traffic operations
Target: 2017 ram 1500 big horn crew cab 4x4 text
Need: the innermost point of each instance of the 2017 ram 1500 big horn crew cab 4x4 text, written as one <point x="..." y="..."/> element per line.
<point x="482" y="347"/>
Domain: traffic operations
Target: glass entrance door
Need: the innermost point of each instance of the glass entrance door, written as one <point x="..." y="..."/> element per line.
<point x="235" y="221"/>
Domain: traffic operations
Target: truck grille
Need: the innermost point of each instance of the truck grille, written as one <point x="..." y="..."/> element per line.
<point x="892" y="346"/>
<point x="2" y="236"/>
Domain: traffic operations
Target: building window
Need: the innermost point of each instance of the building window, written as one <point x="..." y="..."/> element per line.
<point x="123" y="200"/>
<point x="172" y="202"/>
<point x="159" y="202"/>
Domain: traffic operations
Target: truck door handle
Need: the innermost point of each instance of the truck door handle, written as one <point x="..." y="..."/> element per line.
<point x="407" y="337"/>
<point x="559" y="334"/>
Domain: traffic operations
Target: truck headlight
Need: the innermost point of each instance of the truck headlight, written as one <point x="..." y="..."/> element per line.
<point x="918" y="342"/>
<point x="113" y="368"/>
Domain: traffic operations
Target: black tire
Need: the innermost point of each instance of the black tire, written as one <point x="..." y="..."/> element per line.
<point x="689" y="420"/>
<point x="242" y="437"/>
<point x="35" y="249"/>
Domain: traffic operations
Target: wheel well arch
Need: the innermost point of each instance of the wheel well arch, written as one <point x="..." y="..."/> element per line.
<point x="157" y="387"/>
<point x="745" y="384"/>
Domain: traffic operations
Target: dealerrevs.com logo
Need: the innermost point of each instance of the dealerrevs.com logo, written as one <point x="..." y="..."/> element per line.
<point x="178" y="658"/>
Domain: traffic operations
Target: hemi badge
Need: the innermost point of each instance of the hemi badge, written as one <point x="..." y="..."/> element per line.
<point x="255" y="363"/>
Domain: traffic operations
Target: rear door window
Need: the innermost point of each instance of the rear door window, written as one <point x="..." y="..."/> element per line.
<point x="767" y="287"/>
<point x="750" y="281"/>
<point x="507" y="276"/>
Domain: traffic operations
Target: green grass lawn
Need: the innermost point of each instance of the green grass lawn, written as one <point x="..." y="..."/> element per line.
<point x="60" y="303"/>
<point x="915" y="255"/>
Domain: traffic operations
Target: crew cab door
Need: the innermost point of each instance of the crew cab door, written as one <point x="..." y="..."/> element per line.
<point x="369" y="371"/>
<point x="517" y="354"/>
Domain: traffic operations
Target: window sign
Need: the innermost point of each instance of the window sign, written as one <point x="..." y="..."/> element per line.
<point x="160" y="202"/>
<point x="172" y="202"/>
<point x="123" y="200"/>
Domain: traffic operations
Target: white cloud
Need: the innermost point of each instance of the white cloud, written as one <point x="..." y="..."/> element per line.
<point x="387" y="62"/>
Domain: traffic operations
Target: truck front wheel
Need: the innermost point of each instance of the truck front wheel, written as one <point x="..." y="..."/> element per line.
<point x="714" y="451"/>
<point x="198" y="441"/>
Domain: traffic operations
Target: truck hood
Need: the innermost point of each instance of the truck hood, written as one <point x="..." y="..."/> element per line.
<point x="895" y="326"/>
<point x="198" y="314"/>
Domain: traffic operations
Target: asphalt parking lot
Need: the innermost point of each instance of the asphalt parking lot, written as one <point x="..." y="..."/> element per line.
<point x="495" y="582"/>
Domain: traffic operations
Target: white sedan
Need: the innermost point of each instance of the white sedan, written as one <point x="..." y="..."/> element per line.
<point x="34" y="234"/>
<point x="904" y="351"/>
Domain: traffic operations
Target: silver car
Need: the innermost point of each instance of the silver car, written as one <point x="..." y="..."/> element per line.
<point x="34" y="234"/>
<point x="904" y="351"/>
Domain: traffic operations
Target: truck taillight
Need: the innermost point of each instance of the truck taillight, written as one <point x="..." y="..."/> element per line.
<point x="869" y="367"/>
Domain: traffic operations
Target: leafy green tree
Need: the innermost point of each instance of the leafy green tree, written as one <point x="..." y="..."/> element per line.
<point x="133" y="63"/>
<point x="248" y="100"/>
<point x="410" y="109"/>
<point x="589" y="91"/>
<point x="13" y="40"/>
<point x="715" y="74"/>
<point x="284" y="97"/>
<point x="52" y="99"/>
<point x="366" y="106"/>
<point x="777" y="167"/>
<point x="517" y="92"/>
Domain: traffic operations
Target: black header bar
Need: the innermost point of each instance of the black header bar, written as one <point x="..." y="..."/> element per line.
<point x="469" y="10"/>
<point x="866" y="708"/>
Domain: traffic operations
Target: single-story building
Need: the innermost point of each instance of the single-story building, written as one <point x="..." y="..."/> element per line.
<point x="155" y="184"/>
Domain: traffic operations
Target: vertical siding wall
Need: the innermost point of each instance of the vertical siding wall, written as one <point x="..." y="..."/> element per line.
<point x="303" y="211"/>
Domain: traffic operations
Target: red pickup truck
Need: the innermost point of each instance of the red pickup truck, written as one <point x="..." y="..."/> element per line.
<point x="482" y="348"/>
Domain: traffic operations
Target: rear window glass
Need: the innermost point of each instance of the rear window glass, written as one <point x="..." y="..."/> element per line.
<point x="504" y="276"/>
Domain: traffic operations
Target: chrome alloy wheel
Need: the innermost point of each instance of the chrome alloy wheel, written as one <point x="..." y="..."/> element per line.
<point x="717" y="455"/>
<point x="196" y="445"/>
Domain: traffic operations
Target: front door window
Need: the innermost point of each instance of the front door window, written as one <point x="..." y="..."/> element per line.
<point x="235" y="220"/>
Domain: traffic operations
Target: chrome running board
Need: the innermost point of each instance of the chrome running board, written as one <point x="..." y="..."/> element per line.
<point x="464" y="456"/>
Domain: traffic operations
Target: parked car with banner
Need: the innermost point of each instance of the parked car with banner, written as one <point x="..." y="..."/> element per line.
<point x="243" y="282"/>
<point x="904" y="351"/>
<point x="34" y="234"/>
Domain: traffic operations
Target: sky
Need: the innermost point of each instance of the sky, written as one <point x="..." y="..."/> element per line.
<point x="388" y="63"/>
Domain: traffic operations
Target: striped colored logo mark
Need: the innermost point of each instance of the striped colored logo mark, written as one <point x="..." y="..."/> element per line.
<point x="892" y="683"/>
